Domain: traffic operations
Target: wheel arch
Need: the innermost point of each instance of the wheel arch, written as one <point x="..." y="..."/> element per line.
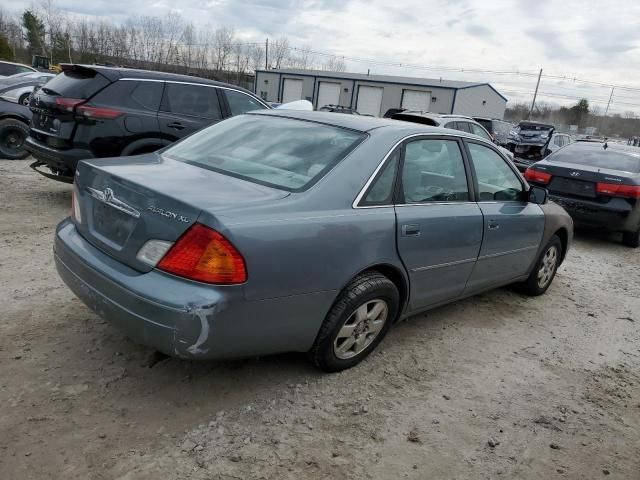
<point x="143" y="145"/>
<point x="563" y="235"/>
<point x="393" y="273"/>
<point x="15" y="117"/>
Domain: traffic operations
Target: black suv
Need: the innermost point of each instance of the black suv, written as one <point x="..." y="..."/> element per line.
<point x="92" y="111"/>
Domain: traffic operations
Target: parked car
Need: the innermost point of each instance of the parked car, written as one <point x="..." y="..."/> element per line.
<point x="338" y="109"/>
<point x="498" y="129"/>
<point x="529" y="142"/>
<point x="11" y="68"/>
<point x="94" y="111"/>
<point x="392" y="111"/>
<point x="598" y="184"/>
<point x="456" y="122"/>
<point x="14" y="129"/>
<point x="284" y="230"/>
<point x="18" y="88"/>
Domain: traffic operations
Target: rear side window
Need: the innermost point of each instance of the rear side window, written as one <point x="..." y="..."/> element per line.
<point x="479" y="131"/>
<point x="596" y="156"/>
<point x="488" y="124"/>
<point x="274" y="151"/>
<point x="381" y="192"/>
<point x="241" y="103"/>
<point x="82" y="83"/>
<point x="8" y="69"/>
<point x="192" y="100"/>
<point x="132" y="95"/>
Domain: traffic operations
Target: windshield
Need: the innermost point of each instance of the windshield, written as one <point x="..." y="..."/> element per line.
<point x="586" y="154"/>
<point x="280" y="152"/>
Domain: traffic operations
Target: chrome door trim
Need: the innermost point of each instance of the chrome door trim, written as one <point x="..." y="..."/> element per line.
<point x="509" y="252"/>
<point x="197" y="85"/>
<point x="441" y="265"/>
<point x="384" y="160"/>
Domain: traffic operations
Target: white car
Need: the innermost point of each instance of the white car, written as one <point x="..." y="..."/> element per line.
<point x="11" y="68"/>
<point x="18" y="88"/>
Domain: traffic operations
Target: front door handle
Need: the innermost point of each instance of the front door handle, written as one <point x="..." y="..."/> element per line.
<point x="493" y="225"/>
<point x="411" y="230"/>
<point x="176" y="126"/>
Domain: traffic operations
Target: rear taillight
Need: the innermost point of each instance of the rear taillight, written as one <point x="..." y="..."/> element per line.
<point x="537" y="176"/>
<point x="616" y="190"/>
<point x="88" y="111"/>
<point x="68" y="104"/>
<point x="204" y="255"/>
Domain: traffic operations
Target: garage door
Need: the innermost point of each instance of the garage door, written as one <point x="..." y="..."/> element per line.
<point x="369" y="100"/>
<point x="291" y="90"/>
<point x="328" y="94"/>
<point x="416" y="100"/>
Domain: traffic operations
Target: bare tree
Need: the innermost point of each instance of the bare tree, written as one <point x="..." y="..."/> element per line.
<point x="280" y="52"/>
<point x="335" y="64"/>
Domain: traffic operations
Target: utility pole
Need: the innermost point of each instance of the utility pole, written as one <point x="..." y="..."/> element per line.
<point x="266" y="55"/>
<point x="609" y="102"/>
<point x="535" y="94"/>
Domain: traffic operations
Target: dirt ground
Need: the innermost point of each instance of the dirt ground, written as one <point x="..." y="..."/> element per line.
<point x="496" y="386"/>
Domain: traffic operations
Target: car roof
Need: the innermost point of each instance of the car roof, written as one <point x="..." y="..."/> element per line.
<point x="19" y="64"/>
<point x="363" y="123"/>
<point x="418" y="113"/>
<point x="114" y="73"/>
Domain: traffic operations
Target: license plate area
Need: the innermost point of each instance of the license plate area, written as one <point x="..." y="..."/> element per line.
<point x="573" y="187"/>
<point x="112" y="225"/>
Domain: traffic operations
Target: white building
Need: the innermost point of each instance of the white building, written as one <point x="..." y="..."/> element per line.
<point x="375" y="94"/>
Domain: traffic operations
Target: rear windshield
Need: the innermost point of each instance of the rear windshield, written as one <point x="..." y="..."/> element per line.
<point x="82" y="84"/>
<point x="581" y="154"/>
<point x="535" y="128"/>
<point x="274" y="151"/>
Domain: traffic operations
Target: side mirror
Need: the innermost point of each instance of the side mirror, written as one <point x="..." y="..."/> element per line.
<point x="538" y="195"/>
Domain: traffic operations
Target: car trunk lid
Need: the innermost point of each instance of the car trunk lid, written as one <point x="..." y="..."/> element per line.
<point x="123" y="205"/>
<point x="579" y="180"/>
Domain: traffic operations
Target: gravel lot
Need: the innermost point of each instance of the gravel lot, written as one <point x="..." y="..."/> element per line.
<point x="497" y="386"/>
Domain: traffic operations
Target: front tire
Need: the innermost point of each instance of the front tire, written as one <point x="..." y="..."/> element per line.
<point x="631" y="239"/>
<point x="24" y="99"/>
<point x="357" y="322"/>
<point x="544" y="270"/>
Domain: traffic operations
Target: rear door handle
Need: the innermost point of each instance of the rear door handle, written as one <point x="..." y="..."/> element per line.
<point x="411" y="230"/>
<point x="176" y="125"/>
<point x="493" y="225"/>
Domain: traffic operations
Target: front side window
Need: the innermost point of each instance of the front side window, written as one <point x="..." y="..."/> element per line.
<point x="274" y="151"/>
<point x="496" y="180"/>
<point x="433" y="171"/>
<point x="192" y="100"/>
<point x="242" y="103"/>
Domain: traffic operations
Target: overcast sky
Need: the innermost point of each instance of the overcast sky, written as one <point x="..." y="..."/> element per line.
<point x="586" y="39"/>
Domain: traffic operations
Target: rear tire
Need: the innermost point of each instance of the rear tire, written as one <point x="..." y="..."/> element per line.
<point x="357" y="322"/>
<point x="631" y="239"/>
<point x="13" y="134"/>
<point x="544" y="270"/>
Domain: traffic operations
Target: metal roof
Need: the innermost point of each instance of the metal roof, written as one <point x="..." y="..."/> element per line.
<point x="425" y="82"/>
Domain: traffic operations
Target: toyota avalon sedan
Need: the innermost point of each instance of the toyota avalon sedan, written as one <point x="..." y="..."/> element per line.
<point x="598" y="184"/>
<point x="315" y="232"/>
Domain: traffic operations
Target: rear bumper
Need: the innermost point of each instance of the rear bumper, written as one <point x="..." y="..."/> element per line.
<point x="57" y="160"/>
<point x="617" y="216"/>
<point x="182" y="318"/>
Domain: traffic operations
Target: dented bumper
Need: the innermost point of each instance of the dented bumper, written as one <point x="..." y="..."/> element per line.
<point x="182" y="318"/>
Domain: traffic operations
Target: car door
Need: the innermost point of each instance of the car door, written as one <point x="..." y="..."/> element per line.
<point x="513" y="227"/>
<point x="186" y="108"/>
<point x="439" y="227"/>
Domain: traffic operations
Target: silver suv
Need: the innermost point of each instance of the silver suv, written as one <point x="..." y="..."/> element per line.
<point x="455" y="122"/>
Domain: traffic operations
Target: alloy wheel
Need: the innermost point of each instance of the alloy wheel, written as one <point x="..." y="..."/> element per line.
<point x="361" y="329"/>
<point x="548" y="266"/>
